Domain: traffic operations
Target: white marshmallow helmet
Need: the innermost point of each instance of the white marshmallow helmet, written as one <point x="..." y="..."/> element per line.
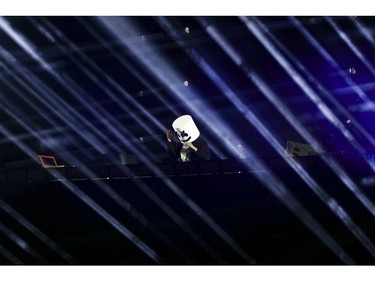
<point x="185" y="128"/>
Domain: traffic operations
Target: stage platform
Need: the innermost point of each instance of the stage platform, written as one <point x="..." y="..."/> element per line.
<point x="200" y="213"/>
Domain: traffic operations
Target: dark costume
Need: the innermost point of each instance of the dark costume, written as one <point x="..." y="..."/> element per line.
<point x="175" y="149"/>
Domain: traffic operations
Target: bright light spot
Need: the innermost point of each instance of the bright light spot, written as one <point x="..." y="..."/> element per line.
<point x="240" y="151"/>
<point x="349" y="121"/>
<point x="352" y="70"/>
<point x="186" y="83"/>
<point x="187" y="30"/>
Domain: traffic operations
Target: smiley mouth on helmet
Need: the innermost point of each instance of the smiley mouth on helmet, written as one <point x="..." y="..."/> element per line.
<point x="185" y="140"/>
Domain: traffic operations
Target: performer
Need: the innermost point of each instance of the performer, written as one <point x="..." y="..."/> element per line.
<point x="190" y="146"/>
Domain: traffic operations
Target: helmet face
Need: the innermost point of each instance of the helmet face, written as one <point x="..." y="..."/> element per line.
<point x="182" y="136"/>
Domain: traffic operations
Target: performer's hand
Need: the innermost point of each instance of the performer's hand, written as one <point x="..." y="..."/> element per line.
<point x="191" y="145"/>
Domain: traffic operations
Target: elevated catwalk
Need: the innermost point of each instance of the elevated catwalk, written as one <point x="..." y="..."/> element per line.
<point x="214" y="212"/>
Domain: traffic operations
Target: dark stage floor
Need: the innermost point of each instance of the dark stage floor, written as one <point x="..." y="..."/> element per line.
<point x="206" y="213"/>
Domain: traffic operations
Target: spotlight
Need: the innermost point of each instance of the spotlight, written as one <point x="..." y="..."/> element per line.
<point x="187" y="30"/>
<point x="352" y="71"/>
<point x="349" y="121"/>
<point x="240" y="151"/>
<point x="186" y="83"/>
